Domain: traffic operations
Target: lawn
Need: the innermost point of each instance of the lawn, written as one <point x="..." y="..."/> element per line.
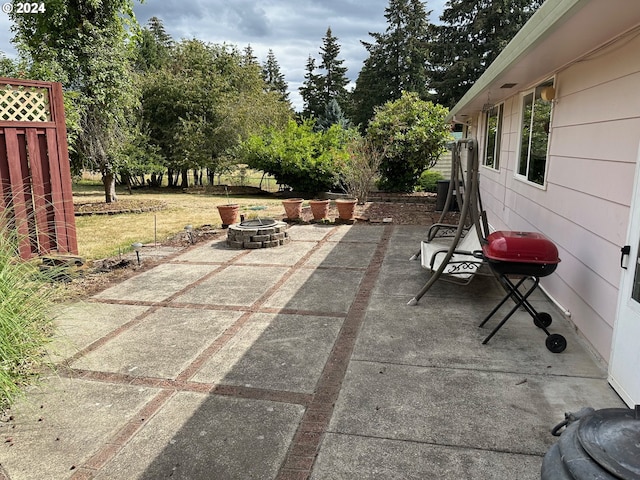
<point x="101" y="236"/>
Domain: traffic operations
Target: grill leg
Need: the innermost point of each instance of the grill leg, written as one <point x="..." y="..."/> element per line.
<point x="512" y="289"/>
<point x="522" y="300"/>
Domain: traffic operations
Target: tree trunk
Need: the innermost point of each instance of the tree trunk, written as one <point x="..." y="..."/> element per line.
<point x="109" y="182"/>
<point x="185" y="178"/>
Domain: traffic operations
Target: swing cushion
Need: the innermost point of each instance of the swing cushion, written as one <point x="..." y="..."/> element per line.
<point x="463" y="263"/>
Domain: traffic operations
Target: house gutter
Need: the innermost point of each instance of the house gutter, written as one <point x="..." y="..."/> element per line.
<point x="541" y="23"/>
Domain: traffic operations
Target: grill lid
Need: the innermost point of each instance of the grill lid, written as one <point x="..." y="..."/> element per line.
<point x="521" y="247"/>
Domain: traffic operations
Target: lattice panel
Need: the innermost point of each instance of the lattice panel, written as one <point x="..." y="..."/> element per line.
<point x="24" y="104"/>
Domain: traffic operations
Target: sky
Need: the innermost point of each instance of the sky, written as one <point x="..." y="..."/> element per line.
<point x="293" y="29"/>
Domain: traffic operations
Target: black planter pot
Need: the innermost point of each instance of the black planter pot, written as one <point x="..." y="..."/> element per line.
<point x="596" y="445"/>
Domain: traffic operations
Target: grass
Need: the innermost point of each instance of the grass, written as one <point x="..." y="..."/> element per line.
<point x="101" y="236"/>
<point x="25" y="322"/>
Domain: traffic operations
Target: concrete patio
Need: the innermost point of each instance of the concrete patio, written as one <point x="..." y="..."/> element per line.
<point x="301" y="361"/>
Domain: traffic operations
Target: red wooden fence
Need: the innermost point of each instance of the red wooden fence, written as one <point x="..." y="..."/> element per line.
<point x="35" y="176"/>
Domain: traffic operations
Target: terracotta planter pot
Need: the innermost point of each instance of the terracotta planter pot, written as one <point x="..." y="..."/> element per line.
<point x="319" y="209"/>
<point x="228" y="214"/>
<point x="293" y="208"/>
<point x="346" y="208"/>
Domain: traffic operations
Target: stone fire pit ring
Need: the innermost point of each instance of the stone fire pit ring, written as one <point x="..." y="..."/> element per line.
<point x="258" y="233"/>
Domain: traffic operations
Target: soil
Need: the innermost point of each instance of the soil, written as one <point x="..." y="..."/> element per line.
<point x="91" y="279"/>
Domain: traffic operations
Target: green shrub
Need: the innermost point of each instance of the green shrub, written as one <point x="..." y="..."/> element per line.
<point x="298" y="156"/>
<point x="413" y="134"/>
<point x="429" y="181"/>
<point x="25" y="323"/>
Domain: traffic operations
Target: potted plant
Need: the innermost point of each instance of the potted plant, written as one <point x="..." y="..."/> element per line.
<point x="228" y="213"/>
<point x="346" y="208"/>
<point x="293" y="208"/>
<point x="319" y="209"/>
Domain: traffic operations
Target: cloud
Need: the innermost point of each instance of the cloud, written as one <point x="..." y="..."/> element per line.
<point x="293" y="29"/>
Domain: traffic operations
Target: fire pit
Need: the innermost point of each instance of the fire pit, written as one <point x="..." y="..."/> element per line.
<point x="257" y="233"/>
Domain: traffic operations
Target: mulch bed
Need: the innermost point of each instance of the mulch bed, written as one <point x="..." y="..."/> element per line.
<point x="124" y="205"/>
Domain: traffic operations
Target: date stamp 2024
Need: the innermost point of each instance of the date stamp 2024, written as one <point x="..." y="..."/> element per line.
<point x="23" y="7"/>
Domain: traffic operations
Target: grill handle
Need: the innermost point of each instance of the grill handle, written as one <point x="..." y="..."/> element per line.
<point x="624" y="251"/>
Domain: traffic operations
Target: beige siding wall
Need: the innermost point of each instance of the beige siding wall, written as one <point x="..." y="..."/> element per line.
<point x="584" y="207"/>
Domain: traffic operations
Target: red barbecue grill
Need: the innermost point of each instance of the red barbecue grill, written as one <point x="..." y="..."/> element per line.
<point x="524" y="255"/>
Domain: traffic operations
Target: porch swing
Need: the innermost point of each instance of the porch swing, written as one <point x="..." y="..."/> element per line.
<point x="448" y="250"/>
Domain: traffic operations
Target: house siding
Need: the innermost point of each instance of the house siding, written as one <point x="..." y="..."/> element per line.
<point x="585" y="204"/>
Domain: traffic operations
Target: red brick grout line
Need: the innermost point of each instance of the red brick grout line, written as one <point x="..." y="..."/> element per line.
<point x="315" y="421"/>
<point x="189" y="386"/>
<point x="227" y="308"/>
<point x="109" y="450"/>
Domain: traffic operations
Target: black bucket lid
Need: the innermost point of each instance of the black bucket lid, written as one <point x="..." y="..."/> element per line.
<point x="611" y="437"/>
<point x="576" y="460"/>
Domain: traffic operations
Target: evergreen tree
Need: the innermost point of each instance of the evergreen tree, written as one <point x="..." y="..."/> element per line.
<point x="311" y="90"/>
<point x="397" y="59"/>
<point x="332" y="116"/>
<point x="273" y="78"/>
<point x="249" y="58"/>
<point x="320" y="88"/>
<point x="152" y="46"/>
<point x="472" y="36"/>
<point x="334" y="81"/>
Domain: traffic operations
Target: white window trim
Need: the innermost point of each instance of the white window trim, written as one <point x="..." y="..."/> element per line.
<point x="523" y="178"/>
<point x="498" y="139"/>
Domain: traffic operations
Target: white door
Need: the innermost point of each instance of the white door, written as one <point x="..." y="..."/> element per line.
<point x="624" y="365"/>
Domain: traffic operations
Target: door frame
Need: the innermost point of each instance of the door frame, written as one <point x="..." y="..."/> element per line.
<point x="625" y="303"/>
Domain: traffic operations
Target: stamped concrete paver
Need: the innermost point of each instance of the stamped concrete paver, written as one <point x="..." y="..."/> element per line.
<point x="82" y="323"/>
<point x="62" y="423"/>
<point x="235" y="285"/>
<point x="288" y="254"/>
<point x="318" y="290"/>
<point x="157" y="284"/>
<point x="198" y="436"/>
<point x="162" y="345"/>
<point x="276" y="352"/>
<point x="346" y="457"/>
<point x="346" y="255"/>
<point x="216" y="252"/>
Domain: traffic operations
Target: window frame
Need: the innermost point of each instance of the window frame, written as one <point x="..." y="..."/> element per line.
<point x="497" y="140"/>
<point x="534" y="92"/>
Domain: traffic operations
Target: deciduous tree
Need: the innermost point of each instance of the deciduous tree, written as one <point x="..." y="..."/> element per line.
<point x="412" y="133"/>
<point x="204" y="102"/>
<point x="84" y="46"/>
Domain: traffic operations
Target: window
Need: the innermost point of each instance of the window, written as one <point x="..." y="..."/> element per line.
<point x="493" y="123"/>
<point x="534" y="137"/>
